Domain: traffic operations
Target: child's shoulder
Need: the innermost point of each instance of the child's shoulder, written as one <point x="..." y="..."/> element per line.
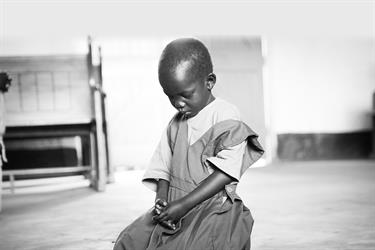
<point x="225" y="110"/>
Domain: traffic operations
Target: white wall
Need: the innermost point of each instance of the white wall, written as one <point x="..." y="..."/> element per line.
<point x="238" y="64"/>
<point x="316" y="52"/>
<point x="138" y="110"/>
<point x="321" y="84"/>
<point x="57" y="26"/>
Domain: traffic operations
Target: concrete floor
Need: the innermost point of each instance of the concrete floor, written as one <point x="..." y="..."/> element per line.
<point x="308" y="205"/>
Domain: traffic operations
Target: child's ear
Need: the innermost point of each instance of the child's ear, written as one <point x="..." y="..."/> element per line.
<point x="211" y="80"/>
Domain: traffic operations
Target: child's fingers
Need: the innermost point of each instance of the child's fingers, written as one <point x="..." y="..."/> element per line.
<point x="172" y="225"/>
<point x="163" y="216"/>
<point x="156" y="218"/>
<point x="161" y="202"/>
<point x="160" y="208"/>
<point x="168" y="224"/>
<point x="157" y="211"/>
<point x="162" y="220"/>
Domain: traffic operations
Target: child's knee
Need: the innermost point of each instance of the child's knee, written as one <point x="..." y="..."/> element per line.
<point x="136" y="234"/>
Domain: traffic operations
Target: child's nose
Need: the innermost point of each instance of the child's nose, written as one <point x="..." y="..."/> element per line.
<point x="179" y="104"/>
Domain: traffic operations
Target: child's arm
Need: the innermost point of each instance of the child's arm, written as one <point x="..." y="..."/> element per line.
<point x="161" y="196"/>
<point x="206" y="189"/>
<point x="161" y="202"/>
<point x="162" y="190"/>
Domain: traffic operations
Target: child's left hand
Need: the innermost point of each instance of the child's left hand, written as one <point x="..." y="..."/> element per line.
<point x="160" y="205"/>
<point x="173" y="211"/>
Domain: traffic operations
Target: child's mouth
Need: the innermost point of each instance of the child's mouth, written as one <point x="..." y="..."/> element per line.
<point x="185" y="113"/>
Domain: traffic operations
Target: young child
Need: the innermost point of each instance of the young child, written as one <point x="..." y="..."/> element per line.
<point x="197" y="164"/>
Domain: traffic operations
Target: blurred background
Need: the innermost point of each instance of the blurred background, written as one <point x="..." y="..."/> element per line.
<point x="84" y="99"/>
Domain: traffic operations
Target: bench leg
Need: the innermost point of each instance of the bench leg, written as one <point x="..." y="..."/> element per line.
<point x="11" y="180"/>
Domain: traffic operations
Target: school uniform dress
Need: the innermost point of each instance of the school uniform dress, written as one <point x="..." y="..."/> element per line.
<point x="188" y="147"/>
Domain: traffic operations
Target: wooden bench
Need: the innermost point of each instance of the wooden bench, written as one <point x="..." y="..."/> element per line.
<point x="52" y="97"/>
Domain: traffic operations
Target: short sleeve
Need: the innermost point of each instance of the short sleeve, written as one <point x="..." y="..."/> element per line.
<point x="160" y="164"/>
<point x="231" y="147"/>
<point x="230" y="160"/>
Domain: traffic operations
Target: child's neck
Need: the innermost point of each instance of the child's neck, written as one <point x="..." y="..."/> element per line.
<point x="210" y="99"/>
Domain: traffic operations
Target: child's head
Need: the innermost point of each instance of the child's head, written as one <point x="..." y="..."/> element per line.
<point x="185" y="74"/>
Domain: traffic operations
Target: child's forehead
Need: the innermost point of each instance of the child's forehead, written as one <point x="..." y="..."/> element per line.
<point x="182" y="71"/>
<point x="179" y="81"/>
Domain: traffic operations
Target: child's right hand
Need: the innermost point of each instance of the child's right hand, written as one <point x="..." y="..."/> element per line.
<point x="159" y="207"/>
<point x="160" y="204"/>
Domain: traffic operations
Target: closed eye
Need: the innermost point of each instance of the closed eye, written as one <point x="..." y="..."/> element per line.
<point x="188" y="94"/>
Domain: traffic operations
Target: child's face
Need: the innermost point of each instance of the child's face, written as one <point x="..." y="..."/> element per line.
<point x="186" y="94"/>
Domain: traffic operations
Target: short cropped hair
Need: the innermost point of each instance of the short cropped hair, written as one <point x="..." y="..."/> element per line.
<point x="190" y="50"/>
